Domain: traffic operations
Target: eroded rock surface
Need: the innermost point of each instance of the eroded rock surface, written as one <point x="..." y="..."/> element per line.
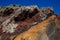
<point x="41" y="31"/>
<point x="30" y="22"/>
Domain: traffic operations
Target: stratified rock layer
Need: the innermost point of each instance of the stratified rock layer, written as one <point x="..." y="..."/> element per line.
<point x="42" y="31"/>
<point x="30" y="22"/>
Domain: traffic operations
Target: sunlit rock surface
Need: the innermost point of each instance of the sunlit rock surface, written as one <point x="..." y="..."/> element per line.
<point x="27" y="23"/>
<point x="42" y="31"/>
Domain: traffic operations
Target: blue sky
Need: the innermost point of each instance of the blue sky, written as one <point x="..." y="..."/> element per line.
<point x="40" y="3"/>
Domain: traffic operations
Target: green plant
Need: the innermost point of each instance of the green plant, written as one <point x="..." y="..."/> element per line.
<point x="22" y="38"/>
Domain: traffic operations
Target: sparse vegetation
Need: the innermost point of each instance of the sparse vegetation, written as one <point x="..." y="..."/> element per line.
<point x="22" y="38"/>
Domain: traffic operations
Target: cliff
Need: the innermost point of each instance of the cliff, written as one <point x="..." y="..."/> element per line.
<point x="28" y="23"/>
<point x="41" y="31"/>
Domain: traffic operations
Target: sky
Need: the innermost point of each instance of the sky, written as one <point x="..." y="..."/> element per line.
<point x="55" y="4"/>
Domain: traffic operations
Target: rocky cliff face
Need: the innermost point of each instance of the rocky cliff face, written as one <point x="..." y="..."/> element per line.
<point x="42" y="31"/>
<point x="27" y="23"/>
